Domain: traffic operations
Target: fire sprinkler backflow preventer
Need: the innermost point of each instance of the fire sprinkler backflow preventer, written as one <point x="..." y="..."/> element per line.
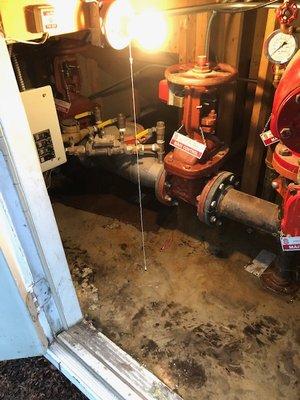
<point x="192" y="171"/>
<point x="195" y="177"/>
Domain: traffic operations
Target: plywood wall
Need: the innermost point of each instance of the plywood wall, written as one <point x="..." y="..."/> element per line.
<point x="236" y="39"/>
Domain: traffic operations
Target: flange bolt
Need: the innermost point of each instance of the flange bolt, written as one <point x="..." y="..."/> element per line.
<point x="213" y="204"/>
<point x="275" y="185"/>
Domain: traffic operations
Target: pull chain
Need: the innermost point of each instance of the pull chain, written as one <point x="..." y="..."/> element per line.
<point x="202" y="135"/>
<point x="267" y="124"/>
<point x="137" y="160"/>
<point x="179" y="129"/>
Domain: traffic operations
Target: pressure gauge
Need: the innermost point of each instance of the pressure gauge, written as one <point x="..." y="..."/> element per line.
<point x="280" y="47"/>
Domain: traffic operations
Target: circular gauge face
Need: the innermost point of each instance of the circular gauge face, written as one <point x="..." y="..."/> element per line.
<point x="280" y="47"/>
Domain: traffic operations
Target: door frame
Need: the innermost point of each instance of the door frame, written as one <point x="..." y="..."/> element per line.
<point x="18" y="148"/>
<point x="22" y="333"/>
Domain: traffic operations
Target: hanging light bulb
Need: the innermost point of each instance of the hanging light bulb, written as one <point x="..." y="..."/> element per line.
<point x="117" y="24"/>
<point x="122" y="24"/>
<point x="149" y="29"/>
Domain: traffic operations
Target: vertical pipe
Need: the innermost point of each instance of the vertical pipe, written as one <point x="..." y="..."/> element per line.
<point x="121" y="122"/>
<point x="160" y="140"/>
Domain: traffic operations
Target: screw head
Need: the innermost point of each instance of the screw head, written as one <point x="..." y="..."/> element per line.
<point x="275" y="185"/>
<point x="168" y="198"/>
<point x="219" y="223"/>
<point x="213" y="204"/>
<point x="213" y="219"/>
<point x="222" y="186"/>
<point x="232" y="179"/>
<point x="297" y="99"/>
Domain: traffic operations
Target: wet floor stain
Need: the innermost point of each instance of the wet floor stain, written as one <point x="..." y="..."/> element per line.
<point x="195" y="318"/>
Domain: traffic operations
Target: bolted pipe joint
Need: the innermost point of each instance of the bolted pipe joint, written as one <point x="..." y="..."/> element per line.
<point x="220" y="199"/>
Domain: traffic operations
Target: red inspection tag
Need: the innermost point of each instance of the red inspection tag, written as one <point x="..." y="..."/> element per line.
<point x="268" y="138"/>
<point x="187" y="145"/>
<point x="62" y="106"/>
<point x="289" y="243"/>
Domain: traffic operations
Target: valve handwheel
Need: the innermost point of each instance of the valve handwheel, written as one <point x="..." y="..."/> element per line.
<point x="287" y="13"/>
<point x="201" y="74"/>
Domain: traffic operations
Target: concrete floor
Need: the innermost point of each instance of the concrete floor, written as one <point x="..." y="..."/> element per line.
<point x="195" y="318"/>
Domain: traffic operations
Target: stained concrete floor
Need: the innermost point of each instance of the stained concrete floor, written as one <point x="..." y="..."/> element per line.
<point x="196" y="318"/>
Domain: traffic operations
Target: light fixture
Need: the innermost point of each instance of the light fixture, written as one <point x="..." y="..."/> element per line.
<point x="117" y="24"/>
<point x="122" y="25"/>
<point x="150" y="29"/>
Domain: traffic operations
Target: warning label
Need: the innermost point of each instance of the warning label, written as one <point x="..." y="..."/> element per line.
<point x="187" y="145"/>
<point x="268" y="138"/>
<point x="290" y="243"/>
<point x="62" y="106"/>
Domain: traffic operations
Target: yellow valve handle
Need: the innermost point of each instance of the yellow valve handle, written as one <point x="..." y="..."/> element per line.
<point x="142" y="134"/>
<point x="103" y="124"/>
<point x="83" y="115"/>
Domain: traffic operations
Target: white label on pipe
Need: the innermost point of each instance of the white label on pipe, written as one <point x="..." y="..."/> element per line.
<point x="290" y="243"/>
<point x="187" y="145"/>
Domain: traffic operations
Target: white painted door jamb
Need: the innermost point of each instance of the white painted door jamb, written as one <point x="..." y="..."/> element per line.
<point x="25" y="167"/>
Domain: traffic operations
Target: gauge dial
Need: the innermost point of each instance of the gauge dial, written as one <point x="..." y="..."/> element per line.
<point x="280" y="47"/>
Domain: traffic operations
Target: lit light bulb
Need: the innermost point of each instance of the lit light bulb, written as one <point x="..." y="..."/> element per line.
<point x="117" y="24"/>
<point x="149" y="29"/>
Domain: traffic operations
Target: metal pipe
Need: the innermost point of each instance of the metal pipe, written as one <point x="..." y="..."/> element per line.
<point x="89" y="150"/>
<point x="149" y="168"/>
<point x="107" y="90"/>
<point x="222" y="7"/>
<point x="160" y="140"/>
<point x="208" y="33"/>
<point x="249" y="210"/>
<point x="121" y="122"/>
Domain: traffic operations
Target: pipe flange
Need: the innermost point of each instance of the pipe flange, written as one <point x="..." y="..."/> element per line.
<point x="213" y="191"/>
<point x="161" y="189"/>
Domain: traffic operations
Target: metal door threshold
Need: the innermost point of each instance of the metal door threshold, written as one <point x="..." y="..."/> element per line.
<point x="103" y="371"/>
